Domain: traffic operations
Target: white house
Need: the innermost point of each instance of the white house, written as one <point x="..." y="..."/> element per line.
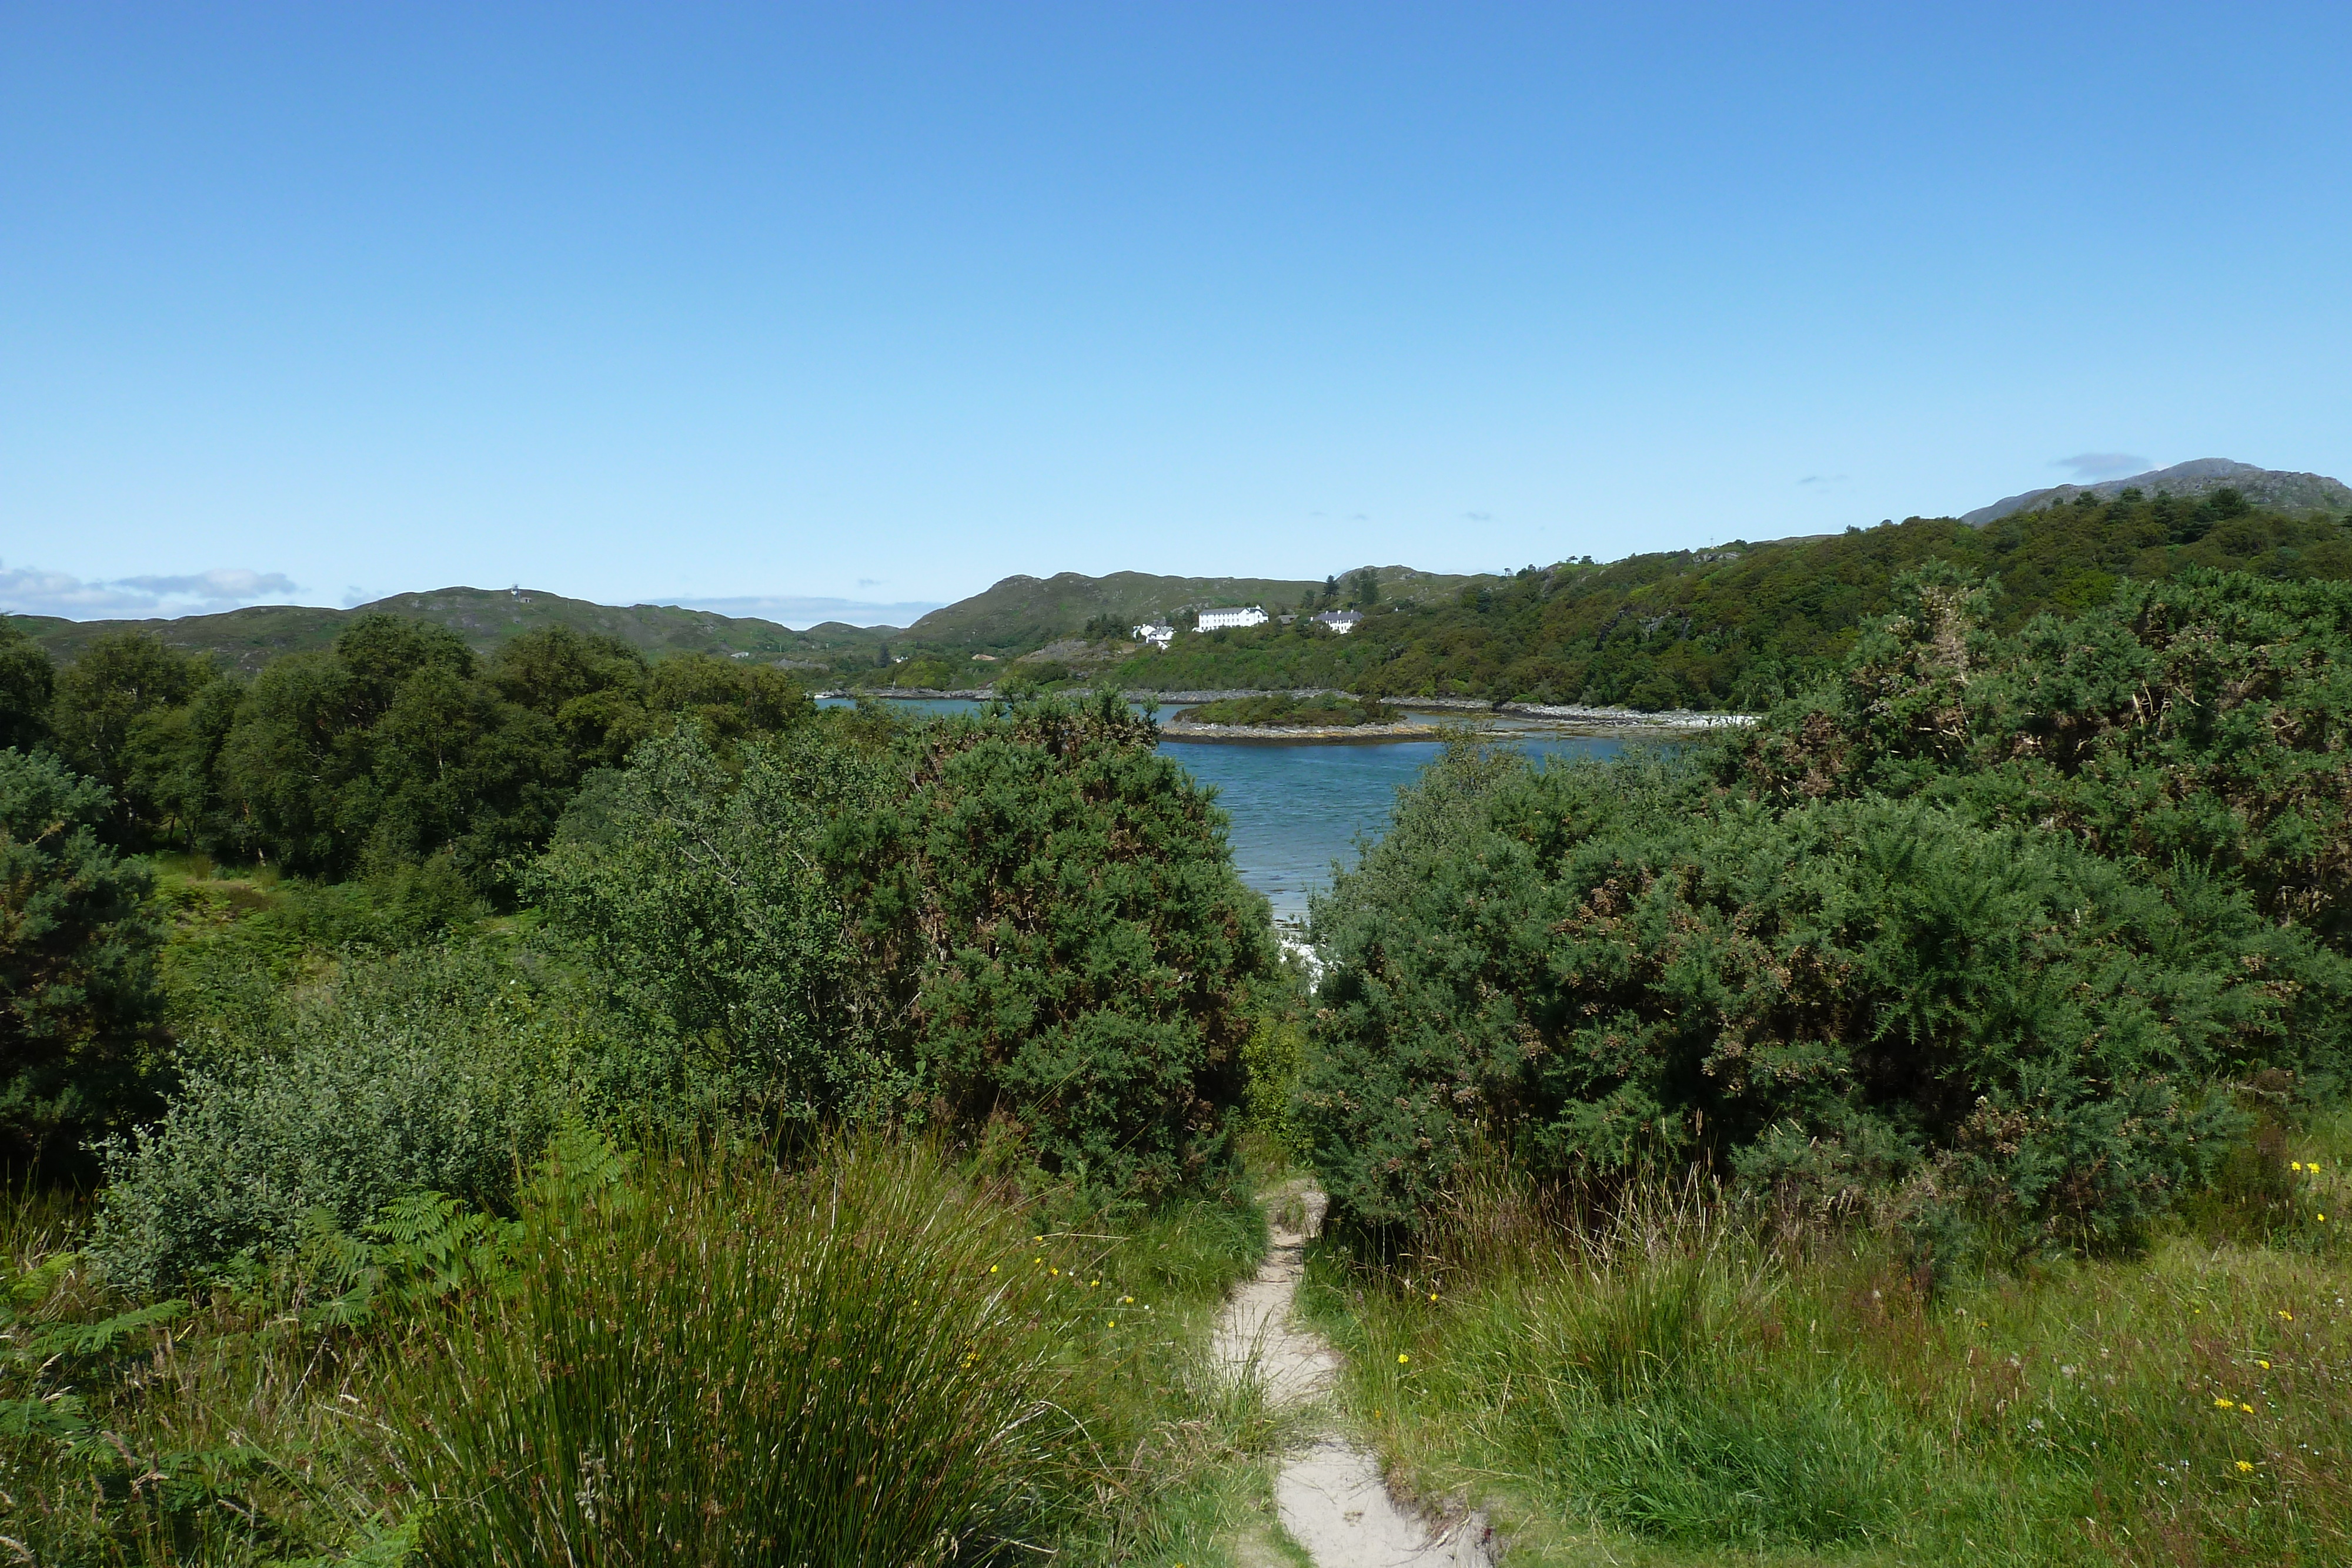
<point x="1218" y="620"/>
<point x="1158" y="635"/>
<point x="1339" y="621"/>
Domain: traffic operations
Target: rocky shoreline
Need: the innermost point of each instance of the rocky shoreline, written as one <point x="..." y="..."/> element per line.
<point x="1569" y="716"/>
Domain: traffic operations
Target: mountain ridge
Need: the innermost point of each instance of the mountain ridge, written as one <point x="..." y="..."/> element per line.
<point x="2278" y="489"/>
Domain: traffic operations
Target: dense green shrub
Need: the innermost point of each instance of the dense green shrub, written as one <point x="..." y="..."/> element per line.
<point x="1860" y="946"/>
<point x="78" y="1002"/>
<point x="2208" y="716"/>
<point x="1047" y="911"/>
<point x="440" y="1071"/>
<point x="704" y="896"/>
<point x="718" y="1362"/>
<point x="1835" y="994"/>
<point x="1028" y="917"/>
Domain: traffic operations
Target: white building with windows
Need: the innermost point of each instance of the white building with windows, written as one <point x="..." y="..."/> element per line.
<point x="1158" y="635"/>
<point x="1218" y="620"/>
<point x="1339" y="621"/>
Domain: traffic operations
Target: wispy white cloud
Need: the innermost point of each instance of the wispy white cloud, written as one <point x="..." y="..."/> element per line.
<point x="30" y="591"/>
<point x="2090" y="465"/>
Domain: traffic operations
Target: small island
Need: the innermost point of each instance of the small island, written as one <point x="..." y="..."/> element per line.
<point x="1284" y="710"/>
<point x="1284" y="715"/>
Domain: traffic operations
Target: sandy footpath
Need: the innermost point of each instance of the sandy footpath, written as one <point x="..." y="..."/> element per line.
<point x="1330" y="1496"/>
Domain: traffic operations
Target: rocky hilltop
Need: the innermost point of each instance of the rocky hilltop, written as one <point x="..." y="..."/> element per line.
<point x="2277" y="489"/>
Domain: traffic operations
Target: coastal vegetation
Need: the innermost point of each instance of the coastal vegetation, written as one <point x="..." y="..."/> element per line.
<point x="565" y="1106"/>
<point x="1910" y="1130"/>
<point x="1729" y="627"/>
<point x="1740" y="626"/>
<point x="932" y="1034"/>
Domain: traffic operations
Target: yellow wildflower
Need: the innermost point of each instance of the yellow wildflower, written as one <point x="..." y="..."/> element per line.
<point x="2220" y="1404"/>
<point x="991" y="1268"/>
<point x="2263" y="1365"/>
<point x="1114" y="1323"/>
<point x="2294" y="1164"/>
<point x="2247" y="1408"/>
<point x="2287" y="1315"/>
<point x="1402" y="1358"/>
<point x="2244" y="1468"/>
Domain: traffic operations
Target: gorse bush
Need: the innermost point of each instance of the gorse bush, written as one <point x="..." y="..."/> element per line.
<point x="436" y="1071"/>
<point x="1832" y="965"/>
<point x="1049" y="906"/>
<point x="1834" y="995"/>
<point x="1027" y="920"/>
<point x="721" y="1363"/>
<point x="2208" y="718"/>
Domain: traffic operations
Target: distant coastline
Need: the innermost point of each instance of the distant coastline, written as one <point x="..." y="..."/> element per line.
<point x="1550" y="718"/>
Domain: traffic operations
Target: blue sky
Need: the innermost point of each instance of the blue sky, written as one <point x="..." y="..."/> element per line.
<point x="779" y="307"/>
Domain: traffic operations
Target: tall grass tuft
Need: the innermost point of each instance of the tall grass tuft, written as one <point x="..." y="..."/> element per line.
<point x="718" y="1362"/>
<point x="1685" y="1374"/>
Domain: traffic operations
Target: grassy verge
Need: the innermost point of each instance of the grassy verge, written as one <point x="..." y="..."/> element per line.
<point x="1692" y="1384"/>
<point x="615" y="1377"/>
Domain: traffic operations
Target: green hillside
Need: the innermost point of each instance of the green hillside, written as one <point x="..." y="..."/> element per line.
<point x="1740" y="626"/>
<point x="485" y="618"/>
<point x="1022" y="613"/>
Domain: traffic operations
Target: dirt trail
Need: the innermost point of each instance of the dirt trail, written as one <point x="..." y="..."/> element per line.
<point x="1331" y="1496"/>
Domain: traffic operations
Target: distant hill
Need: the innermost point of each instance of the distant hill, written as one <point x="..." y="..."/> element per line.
<point x="1737" y="626"/>
<point x="2294" y="495"/>
<point x="1024" y="612"/>
<point x="485" y="617"/>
